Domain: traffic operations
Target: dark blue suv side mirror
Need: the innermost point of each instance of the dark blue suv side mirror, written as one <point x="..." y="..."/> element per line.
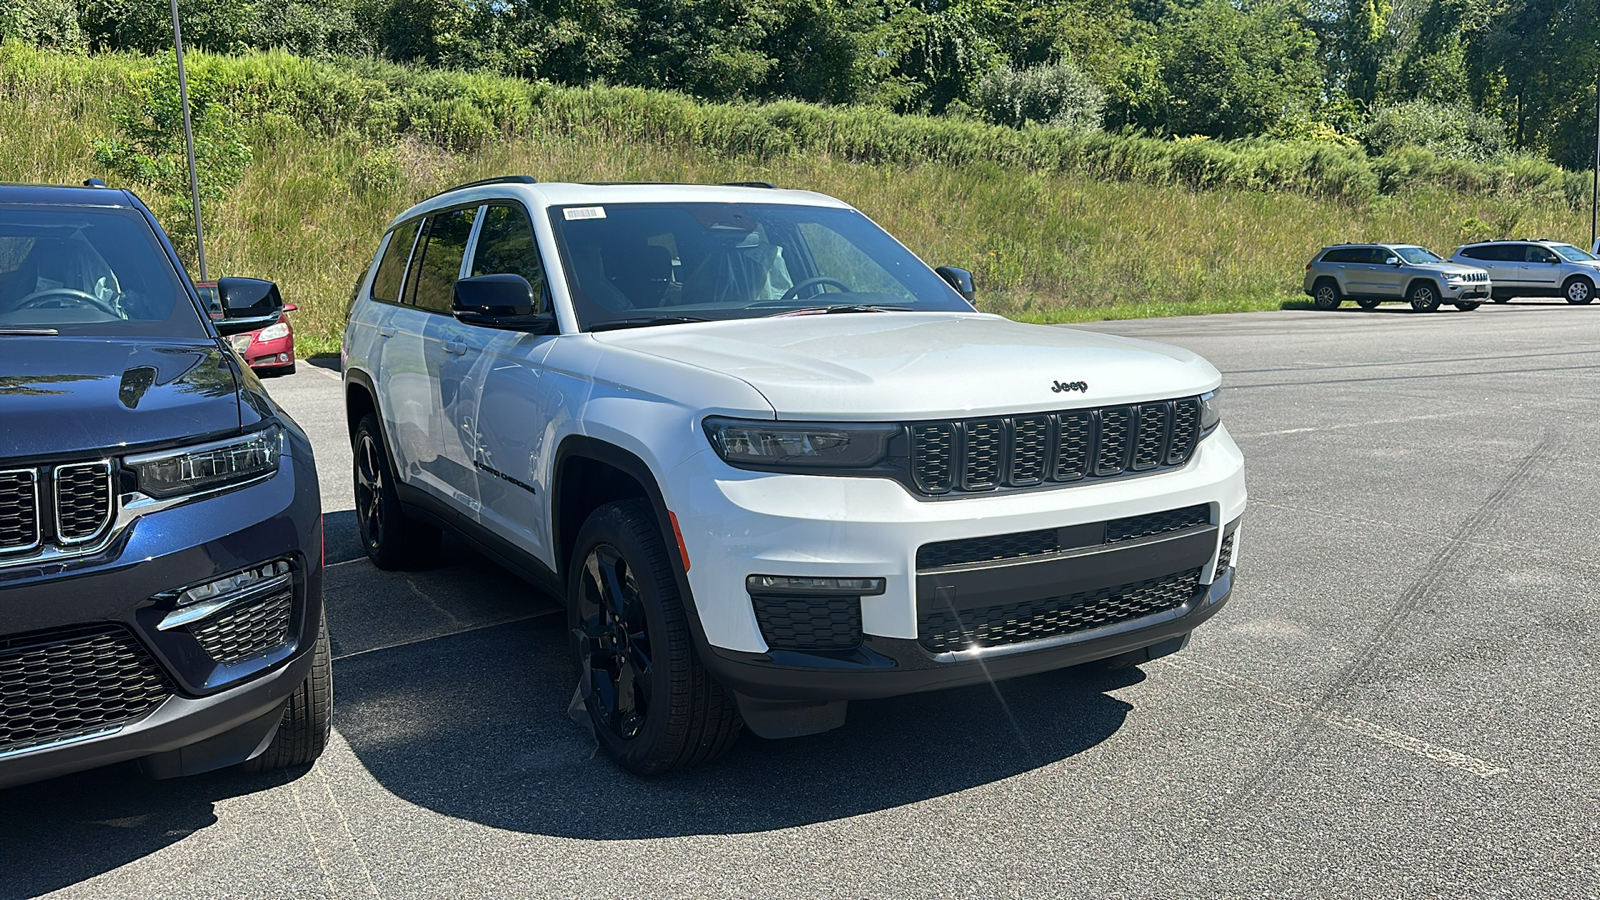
<point x="247" y="304"/>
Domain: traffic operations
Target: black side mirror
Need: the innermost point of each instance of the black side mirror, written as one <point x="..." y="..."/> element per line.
<point x="500" y="301"/>
<point x="961" y="280"/>
<point x="247" y="304"/>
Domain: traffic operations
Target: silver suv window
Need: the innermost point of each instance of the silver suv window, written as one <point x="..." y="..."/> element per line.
<point x="1571" y="253"/>
<point x="1418" y="255"/>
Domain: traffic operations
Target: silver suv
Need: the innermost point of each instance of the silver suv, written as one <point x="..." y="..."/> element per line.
<point x="1535" y="268"/>
<point x="1372" y="273"/>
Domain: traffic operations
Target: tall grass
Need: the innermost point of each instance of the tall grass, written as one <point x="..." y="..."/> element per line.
<point x="1055" y="226"/>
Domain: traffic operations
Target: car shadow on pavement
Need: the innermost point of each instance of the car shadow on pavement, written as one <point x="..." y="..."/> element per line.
<point x="60" y="832"/>
<point x="475" y="726"/>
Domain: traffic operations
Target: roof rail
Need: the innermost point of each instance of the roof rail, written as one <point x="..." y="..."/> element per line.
<point x="751" y="184"/>
<point x="500" y="179"/>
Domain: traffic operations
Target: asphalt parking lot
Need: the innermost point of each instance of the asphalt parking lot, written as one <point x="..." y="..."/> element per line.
<point x="1400" y="699"/>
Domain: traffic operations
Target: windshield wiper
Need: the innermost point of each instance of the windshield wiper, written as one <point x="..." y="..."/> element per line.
<point x="29" y="332"/>
<point x="644" y="321"/>
<point x="842" y="308"/>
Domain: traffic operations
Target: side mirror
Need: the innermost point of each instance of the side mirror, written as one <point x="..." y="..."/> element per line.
<point x="247" y="304"/>
<point x="500" y="301"/>
<point x="1392" y="261"/>
<point x="961" y="280"/>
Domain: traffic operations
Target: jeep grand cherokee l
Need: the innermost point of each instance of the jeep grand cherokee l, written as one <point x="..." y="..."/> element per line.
<point x="772" y="461"/>
<point x="160" y="524"/>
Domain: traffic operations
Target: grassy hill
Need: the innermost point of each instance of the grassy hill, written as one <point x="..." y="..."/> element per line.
<point x="1057" y="226"/>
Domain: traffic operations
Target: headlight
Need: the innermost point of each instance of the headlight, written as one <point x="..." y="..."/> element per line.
<point x="797" y="446"/>
<point x="172" y="473"/>
<point x="273" y="332"/>
<point x="1210" y="414"/>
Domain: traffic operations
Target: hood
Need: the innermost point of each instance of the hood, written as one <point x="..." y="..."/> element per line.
<point x="1450" y="268"/>
<point x="83" y="396"/>
<point x="923" y="365"/>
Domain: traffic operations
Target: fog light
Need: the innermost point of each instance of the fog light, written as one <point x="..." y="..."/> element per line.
<point x="200" y="601"/>
<point x="791" y="584"/>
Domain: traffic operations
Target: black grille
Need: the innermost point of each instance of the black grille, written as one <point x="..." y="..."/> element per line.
<point x="1135" y="527"/>
<point x="976" y="455"/>
<point x="943" y="630"/>
<point x="19" y="510"/>
<point x="809" y="623"/>
<point x="83" y="500"/>
<point x="61" y="684"/>
<point x="1023" y="544"/>
<point x="1225" y="556"/>
<point x="244" y="631"/>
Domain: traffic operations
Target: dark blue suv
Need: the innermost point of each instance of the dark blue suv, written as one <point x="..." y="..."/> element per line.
<point x="160" y="523"/>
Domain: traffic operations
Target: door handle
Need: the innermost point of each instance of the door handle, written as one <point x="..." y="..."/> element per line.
<point x="455" y="348"/>
<point x="387" y="330"/>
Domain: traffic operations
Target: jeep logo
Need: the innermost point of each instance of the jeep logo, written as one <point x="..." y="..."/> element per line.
<point x="1070" y="386"/>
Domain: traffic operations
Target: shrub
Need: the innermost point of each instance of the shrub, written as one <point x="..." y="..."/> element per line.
<point x="1448" y="130"/>
<point x="47" y="23"/>
<point x="1058" y="94"/>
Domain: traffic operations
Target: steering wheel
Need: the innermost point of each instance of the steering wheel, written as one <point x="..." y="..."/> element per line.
<point x="794" y="292"/>
<point x="53" y="298"/>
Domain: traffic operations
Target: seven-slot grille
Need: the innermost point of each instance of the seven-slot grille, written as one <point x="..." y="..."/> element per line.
<point x="74" y="682"/>
<point x="64" y="505"/>
<point x="974" y="455"/>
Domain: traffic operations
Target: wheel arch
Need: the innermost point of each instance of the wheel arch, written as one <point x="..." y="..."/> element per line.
<point x="1428" y="280"/>
<point x="589" y="473"/>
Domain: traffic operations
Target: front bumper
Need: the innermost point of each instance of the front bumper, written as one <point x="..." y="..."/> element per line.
<point x="214" y="707"/>
<point x="1465" y="291"/>
<point x="738" y="524"/>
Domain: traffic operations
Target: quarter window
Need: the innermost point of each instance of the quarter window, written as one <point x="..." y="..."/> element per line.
<point x="506" y="247"/>
<point x="441" y="258"/>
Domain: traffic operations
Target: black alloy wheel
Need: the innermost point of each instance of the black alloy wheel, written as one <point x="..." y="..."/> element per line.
<point x="1578" y="290"/>
<point x="1424" y="297"/>
<point x="614" y="643"/>
<point x="1368" y="303"/>
<point x="391" y="538"/>
<point x="1326" y="295"/>
<point x="653" y="705"/>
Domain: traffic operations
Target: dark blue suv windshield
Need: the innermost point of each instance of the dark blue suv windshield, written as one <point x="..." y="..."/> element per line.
<point x="89" y="271"/>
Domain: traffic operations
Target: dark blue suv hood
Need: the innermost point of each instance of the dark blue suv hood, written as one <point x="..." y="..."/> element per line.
<point x="67" y="396"/>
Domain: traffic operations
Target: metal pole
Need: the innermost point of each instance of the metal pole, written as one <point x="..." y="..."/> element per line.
<point x="1594" y="205"/>
<point x="188" y="141"/>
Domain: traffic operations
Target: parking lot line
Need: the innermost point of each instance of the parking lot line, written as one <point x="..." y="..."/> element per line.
<point x="435" y="637"/>
<point x="1387" y="736"/>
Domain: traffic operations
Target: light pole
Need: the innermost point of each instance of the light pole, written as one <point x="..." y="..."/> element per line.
<point x="188" y="141"/>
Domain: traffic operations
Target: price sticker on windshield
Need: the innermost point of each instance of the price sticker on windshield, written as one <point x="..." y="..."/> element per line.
<point x="584" y="212"/>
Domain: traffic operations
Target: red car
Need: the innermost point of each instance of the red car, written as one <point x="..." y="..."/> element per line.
<point x="269" y="350"/>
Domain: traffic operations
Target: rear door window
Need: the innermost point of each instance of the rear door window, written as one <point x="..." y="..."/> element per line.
<point x="441" y="258"/>
<point x="386" y="282"/>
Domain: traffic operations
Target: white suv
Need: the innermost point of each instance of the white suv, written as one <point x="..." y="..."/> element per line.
<point x="771" y="460"/>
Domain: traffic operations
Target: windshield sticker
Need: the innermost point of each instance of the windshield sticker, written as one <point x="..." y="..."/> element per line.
<point x="585" y="212"/>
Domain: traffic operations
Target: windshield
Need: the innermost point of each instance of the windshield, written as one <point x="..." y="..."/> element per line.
<point x="1571" y="253"/>
<point x="1417" y="255"/>
<point x="656" y="263"/>
<point x="89" y="271"/>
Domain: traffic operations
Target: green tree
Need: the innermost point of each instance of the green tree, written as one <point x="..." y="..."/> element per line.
<point x="149" y="150"/>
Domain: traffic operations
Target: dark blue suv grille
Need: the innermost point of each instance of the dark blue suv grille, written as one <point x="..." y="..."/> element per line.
<point x="74" y="682"/>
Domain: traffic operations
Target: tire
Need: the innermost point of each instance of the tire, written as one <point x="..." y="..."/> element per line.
<point x="1501" y="299"/>
<point x="1368" y="303"/>
<point x="1325" y="294"/>
<point x="392" y="539"/>
<point x="1578" y="290"/>
<point x="1423" y="296"/>
<point x="307" y="716"/>
<point x="629" y="629"/>
<point x="1467" y="305"/>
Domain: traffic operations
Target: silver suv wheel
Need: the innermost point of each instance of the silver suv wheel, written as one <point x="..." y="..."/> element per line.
<point x="1579" y="290"/>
